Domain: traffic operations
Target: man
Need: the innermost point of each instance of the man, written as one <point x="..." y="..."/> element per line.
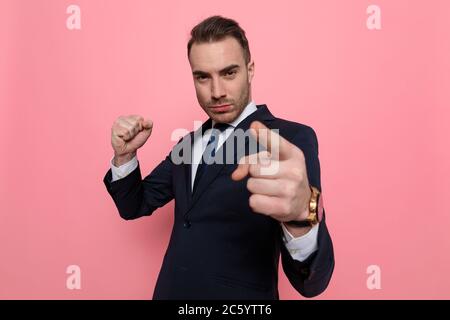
<point x="232" y="221"/>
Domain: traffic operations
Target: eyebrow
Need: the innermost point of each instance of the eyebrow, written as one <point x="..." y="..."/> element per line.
<point x="224" y="70"/>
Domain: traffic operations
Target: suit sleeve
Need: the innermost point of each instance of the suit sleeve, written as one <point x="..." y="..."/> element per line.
<point x="312" y="276"/>
<point x="135" y="197"/>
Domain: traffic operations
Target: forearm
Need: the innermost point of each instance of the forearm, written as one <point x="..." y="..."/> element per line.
<point x="119" y="160"/>
<point x="127" y="193"/>
<point x="135" y="197"/>
<point x="121" y="171"/>
<point x="311" y="276"/>
<point x="301" y="247"/>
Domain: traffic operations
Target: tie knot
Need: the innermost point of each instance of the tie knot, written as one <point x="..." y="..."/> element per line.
<point x="221" y="126"/>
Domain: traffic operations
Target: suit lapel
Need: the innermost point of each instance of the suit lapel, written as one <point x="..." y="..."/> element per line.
<point x="186" y="176"/>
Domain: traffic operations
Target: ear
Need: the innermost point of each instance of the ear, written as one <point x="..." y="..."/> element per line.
<point x="250" y="71"/>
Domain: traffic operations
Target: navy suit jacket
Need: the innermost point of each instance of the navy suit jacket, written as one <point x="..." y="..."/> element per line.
<point x="219" y="248"/>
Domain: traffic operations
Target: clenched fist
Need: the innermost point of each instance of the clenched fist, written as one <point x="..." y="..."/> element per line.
<point x="128" y="134"/>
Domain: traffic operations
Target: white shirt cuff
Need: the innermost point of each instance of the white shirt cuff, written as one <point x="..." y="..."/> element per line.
<point x="123" y="170"/>
<point x="300" y="248"/>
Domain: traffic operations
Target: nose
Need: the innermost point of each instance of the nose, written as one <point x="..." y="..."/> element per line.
<point x="217" y="89"/>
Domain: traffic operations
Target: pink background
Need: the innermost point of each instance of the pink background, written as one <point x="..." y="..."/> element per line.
<point x="378" y="100"/>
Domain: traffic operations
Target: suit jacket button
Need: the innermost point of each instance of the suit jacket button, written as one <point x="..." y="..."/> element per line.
<point x="187" y="224"/>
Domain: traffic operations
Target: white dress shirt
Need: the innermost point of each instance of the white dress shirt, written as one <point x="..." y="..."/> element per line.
<point x="300" y="248"/>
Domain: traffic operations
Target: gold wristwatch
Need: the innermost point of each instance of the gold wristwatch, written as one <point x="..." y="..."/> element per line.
<point x="315" y="211"/>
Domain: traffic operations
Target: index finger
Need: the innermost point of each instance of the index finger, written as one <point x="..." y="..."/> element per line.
<point x="276" y="145"/>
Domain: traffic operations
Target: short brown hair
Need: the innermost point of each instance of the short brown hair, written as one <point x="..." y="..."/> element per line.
<point x="216" y="28"/>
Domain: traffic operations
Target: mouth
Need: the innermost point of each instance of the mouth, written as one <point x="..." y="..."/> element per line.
<point x="221" y="108"/>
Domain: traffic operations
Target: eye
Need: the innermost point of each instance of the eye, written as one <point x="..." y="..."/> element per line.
<point x="200" y="77"/>
<point x="230" y="73"/>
